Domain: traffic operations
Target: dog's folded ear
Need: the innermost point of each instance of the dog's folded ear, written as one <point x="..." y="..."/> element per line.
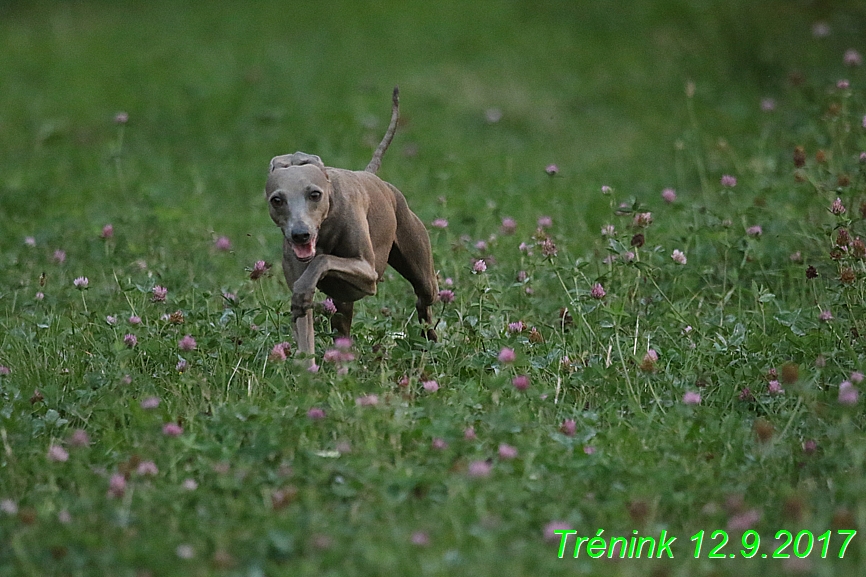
<point x="296" y="159"/>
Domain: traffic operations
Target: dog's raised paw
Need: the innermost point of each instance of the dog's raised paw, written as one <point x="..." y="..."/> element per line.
<point x="301" y="303"/>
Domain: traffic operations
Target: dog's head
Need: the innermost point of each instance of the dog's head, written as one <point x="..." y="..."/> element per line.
<point x="298" y="192"/>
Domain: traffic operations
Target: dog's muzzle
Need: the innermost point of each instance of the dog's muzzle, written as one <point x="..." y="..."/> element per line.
<point x="303" y="244"/>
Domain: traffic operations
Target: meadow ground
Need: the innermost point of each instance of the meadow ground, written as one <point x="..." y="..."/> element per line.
<point x="648" y="220"/>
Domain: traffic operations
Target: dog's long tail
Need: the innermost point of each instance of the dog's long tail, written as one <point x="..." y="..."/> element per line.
<point x="376" y="161"/>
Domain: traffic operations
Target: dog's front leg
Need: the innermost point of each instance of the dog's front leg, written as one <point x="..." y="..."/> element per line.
<point x="302" y="327"/>
<point x="358" y="274"/>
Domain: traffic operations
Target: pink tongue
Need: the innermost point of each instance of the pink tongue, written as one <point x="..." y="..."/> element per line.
<point x="304" y="251"/>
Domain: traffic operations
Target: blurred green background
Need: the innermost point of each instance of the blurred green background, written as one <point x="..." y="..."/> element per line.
<point x="215" y="89"/>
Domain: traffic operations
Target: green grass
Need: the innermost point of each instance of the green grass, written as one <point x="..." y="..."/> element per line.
<point x="214" y="90"/>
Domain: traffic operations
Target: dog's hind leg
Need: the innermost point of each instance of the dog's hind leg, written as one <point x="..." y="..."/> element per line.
<point x="425" y="290"/>
<point x="412" y="258"/>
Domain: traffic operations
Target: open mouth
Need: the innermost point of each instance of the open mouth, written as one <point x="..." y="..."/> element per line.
<point x="305" y="252"/>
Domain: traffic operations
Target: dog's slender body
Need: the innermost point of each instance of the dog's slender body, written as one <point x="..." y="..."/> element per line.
<point x="340" y="230"/>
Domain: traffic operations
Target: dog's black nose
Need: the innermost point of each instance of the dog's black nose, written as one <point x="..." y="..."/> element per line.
<point x="301" y="237"/>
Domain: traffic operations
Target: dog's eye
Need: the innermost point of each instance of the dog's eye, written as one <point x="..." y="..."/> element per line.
<point x="315" y="195"/>
<point x="277" y="201"/>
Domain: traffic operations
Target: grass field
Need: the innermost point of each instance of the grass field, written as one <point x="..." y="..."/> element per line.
<point x="650" y="217"/>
